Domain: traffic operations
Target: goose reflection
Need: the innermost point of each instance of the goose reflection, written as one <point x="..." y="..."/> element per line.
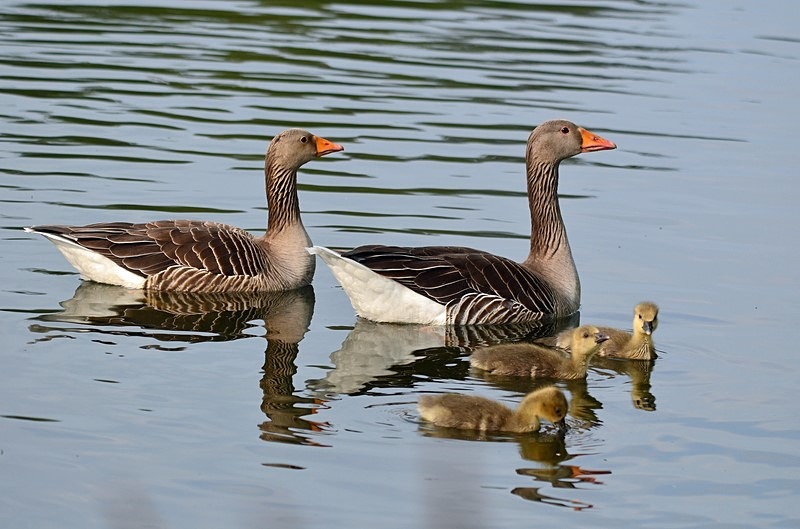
<point x="207" y="317"/>
<point x="400" y="355"/>
<point x="164" y="316"/>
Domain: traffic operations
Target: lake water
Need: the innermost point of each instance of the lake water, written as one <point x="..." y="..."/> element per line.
<point x="121" y="411"/>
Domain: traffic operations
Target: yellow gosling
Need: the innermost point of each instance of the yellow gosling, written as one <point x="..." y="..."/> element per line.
<point x="637" y="345"/>
<point x="540" y="361"/>
<point x="471" y="412"/>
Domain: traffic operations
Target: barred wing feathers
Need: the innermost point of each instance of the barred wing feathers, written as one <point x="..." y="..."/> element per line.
<point x="147" y="249"/>
<point x="475" y="286"/>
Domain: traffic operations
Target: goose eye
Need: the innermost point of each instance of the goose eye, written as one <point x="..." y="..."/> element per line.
<point x="640" y="316"/>
<point x="303" y="139"/>
<point x="565" y="130"/>
<point x="586" y="335"/>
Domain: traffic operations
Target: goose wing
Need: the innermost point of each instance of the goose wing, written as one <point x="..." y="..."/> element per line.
<point x="471" y="280"/>
<point x="152" y="247"/>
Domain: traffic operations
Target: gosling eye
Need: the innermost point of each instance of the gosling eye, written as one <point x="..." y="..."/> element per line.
<point x="585" y="334"/>
<point x="640" y="316"/>
<point x="565" y="130"/>
<point x="303" y="139"/>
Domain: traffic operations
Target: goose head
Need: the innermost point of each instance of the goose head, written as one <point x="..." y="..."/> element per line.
<point x="294" y="147"/>
<point x="560" y="139"/>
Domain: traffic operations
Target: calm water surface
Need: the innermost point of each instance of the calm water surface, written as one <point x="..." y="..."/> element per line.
<point x="120" y="410"/>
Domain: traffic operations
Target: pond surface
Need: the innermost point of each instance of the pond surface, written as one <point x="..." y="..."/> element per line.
<point x="121" y="410"/>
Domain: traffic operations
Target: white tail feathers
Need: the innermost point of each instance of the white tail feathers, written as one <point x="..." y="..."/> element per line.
<point x="378" y="298"/>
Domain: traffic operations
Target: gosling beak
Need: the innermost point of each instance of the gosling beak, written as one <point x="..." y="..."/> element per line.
<point x="562" y="425"/>
<point x="592" y="142"/>
<point x="647" y="327"/>
<point x="599" y="337"/>
<point x="326" y="146"/>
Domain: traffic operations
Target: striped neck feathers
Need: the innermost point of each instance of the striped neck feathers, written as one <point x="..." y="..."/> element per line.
<point x="548" y="235"/>
<point x="282" y="202"/>
<point x="550" y="254"/>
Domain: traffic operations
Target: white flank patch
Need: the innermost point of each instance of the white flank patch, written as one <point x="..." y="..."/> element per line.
<point x="378" y="298"/>
<point x="92" y="265"/>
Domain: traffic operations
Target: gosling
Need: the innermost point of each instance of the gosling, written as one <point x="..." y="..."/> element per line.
<point x="540" y="361"/>
<point x="471" y="412"/>
<point x="622" y="344"/>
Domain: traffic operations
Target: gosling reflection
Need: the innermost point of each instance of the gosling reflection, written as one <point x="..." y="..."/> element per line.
<point x="554" y="473"/>
<point x="207" y="317"/>
<point x="534" y="494"/>
<point x="639" y="372"/>
<point x="551" y="453"/>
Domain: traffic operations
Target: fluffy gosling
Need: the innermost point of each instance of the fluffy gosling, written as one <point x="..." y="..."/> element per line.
<point x="471" y="412"/>
<point x="540" y="361"/>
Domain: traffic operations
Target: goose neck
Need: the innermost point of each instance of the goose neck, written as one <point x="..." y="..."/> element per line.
<point x="548" y="234"/>
<point x="282" y="203"/>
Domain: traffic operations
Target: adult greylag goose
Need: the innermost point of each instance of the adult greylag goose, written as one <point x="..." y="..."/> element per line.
<point x="205" y="256"/>
<point x="540" y="361"/>
<point x="637" y="345"/>
<point x="442" y="285"/>
<point x="472" y="412"/>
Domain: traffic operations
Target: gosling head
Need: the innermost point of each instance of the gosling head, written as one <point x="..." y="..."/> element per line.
<point x="547" y="403"/>
<point x="645" y="317"/>
<point x="586" y="340"/>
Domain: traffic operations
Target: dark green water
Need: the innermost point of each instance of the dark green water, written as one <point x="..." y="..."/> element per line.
<point x="283" y="411"/>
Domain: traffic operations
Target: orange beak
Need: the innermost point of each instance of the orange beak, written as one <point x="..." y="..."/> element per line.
<point x="592" y="142"/>
<point x="326" y="147"/>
